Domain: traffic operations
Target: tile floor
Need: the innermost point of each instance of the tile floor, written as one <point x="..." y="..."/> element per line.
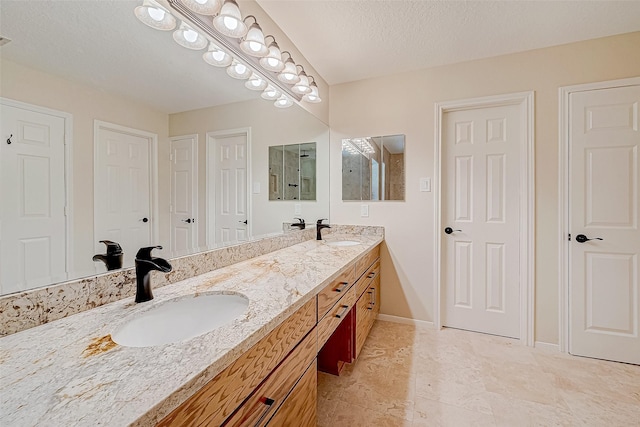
<point x="408" y="376"/>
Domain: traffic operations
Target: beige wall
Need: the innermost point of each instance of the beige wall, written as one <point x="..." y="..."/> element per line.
<point x="269" y="126"/>
<point x="87" y="104"/>
<point x="404" y="104"/>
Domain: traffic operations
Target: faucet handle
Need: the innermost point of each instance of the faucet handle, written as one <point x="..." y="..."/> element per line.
<point x="113" y="248"/>
<point x="300" y="220"/>
<point x="320" y="221"/>
<point x="145" y="253"/>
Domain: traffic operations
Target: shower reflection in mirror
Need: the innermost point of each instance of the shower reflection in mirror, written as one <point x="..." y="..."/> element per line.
<point x="292" y="172"/>
<point x="373" y="168"/>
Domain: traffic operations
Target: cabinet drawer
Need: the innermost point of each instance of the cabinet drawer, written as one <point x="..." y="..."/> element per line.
<point x="365" y="262"/>
<point x="220" y="397"/>
<point x="301" y="407"/>
<point x="270" y="395"/>
<point x="330" y="322"/>
<point x="365" y="281"/>
<point x="332" y="293"/>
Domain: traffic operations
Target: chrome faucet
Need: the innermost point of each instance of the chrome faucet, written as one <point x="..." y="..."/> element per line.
<point x="145" y="264"/>
<point x="319" y="227"/>
<point x="301" y="224"/>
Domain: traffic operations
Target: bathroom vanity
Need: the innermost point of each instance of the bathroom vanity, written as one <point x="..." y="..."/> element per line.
<point x="310" y="305"/>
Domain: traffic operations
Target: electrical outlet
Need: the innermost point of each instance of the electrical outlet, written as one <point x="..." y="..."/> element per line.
<point x="256" y="188"/>
<point x="364" y="211"/>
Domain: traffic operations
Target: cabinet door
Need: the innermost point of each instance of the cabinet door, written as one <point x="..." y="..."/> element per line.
<point x="363" y="320"/>
<point x="301" y="407"/>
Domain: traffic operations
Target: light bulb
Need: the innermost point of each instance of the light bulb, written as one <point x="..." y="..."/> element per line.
<point x="273" y="62"/>
<point x="156" y="14"/>
<point x="190" y="36"/>
<point x="201" y="1"/>
<point x="218" y="55"/>
<point x="230" y="23"/>
<point x="255" y="46"/>
<point x="240" y="68"/>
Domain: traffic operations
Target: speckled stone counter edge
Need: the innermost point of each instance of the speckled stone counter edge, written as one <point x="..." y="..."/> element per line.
<point x="24" y="310"/>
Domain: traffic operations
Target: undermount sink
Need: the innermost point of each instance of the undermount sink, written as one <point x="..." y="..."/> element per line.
<point x="180" y="319"/>
<point x="343" y="243"/>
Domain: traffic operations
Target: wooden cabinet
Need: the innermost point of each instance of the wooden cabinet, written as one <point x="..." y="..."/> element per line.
<point x="275" y="382"/>
<point x="341" y="339"/>
<point x="219" y="398"/>
<point x="301" y="407"/>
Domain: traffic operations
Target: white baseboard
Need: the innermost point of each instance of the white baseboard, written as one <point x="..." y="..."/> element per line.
<point x="406" y="321"/>
<point x="551" y="348"/>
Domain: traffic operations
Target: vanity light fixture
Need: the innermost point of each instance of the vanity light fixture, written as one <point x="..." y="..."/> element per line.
<point x="271" y="93"/>
<point x="253" y="43"/>
<point x="313" y="96"/>
<point x="217" y="57"/>
<point x="302" y="87"/>
<point x="289" y="73"/>
<point x="238" y="70"/>
<point x="256" y="82"/>
<point x="187" y="37"/>
<point x="283" y="102"/>
<point x="243" y="51"/>
<point x="203" y="7"/>
<point x="273" y="60"/>
<point x="155" y="16"/>
<point x="229" y="20"/>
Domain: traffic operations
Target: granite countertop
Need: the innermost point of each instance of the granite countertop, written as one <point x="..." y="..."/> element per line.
<point x="70" y="372"/>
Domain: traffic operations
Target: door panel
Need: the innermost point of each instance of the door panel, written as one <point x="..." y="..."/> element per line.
<point x="231" y="194"/>
<point x="604" y="293"/>
<point x="184" y="194"/>
<point x="32" y="179"/>
<point x="480" y="191"/>
<point x="122" y="192"/>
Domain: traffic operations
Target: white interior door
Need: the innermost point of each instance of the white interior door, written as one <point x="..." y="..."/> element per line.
<point x="229" y="184"/>
<point x="480" y="210"/>
<point x="32" y="212"/>
<point x="122" y="196"/>
<point x="604" y="189"/>
<point x="184" y="194"/>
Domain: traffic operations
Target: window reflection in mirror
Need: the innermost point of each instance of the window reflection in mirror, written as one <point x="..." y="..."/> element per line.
<point x="292" y="172"/>
<point x="373" y="168"/>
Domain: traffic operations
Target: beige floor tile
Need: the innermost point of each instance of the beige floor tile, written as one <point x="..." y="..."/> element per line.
<point x="433" y="413"/>
<point x="422" y="377"/>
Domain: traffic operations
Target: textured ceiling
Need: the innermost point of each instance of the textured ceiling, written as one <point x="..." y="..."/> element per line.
<point x="102" y="44"/>
<point x="352" y="40"/>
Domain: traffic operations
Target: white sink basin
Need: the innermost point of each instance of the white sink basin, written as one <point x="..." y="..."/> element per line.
<point x="180" y="319"/>
<point x="343" y="243"/>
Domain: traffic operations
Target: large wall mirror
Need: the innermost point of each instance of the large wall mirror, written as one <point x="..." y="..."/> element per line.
<point x="292" y="172"/>
<point x="109" y="84"/>
<point x="373" y="168"/>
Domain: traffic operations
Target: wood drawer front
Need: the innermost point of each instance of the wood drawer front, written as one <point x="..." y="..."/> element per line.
<point x="364" y="315"/>
<point x="214" y="402"/>
<point x="301" y="407"/>
<point x="330" y="322"/>
<point x="365" y="281"/>
<point x="365" y="262"/>
<point x="332" y="293"/>
<point x="255" y="411"/>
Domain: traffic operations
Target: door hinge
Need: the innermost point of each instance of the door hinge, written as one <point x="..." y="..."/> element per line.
<point x="569" y="237"/>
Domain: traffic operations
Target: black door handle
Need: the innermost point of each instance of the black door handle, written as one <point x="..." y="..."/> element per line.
<point x="145" y="219"/>
<point x="450" y="230"/>
<point x="244" y="222"/>
<point x="581" y="238"/>
<point x="188" y="220"/>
